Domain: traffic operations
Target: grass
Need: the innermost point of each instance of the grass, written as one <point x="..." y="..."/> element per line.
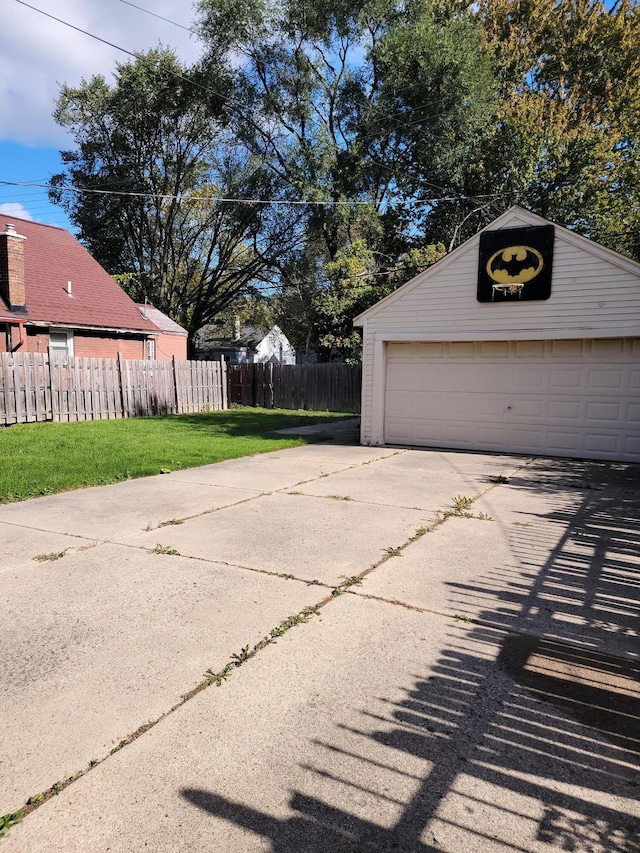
<point x="42" y="458"/>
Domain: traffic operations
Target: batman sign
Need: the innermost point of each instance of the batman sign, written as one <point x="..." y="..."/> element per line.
<point x="515" y="264"/>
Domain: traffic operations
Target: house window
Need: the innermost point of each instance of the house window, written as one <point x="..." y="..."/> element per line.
<point x="151" y="349"/>
<point x="61" y="342"/>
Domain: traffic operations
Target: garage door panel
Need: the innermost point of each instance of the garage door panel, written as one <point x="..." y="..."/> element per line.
<point x="530" y="378"/>
<point x="601" y="443"/>
<point x="553" y="397"/>
<point x="611" y="378"/>
<point x="564" y="410"/>
<point x="606" y="413"/>
<point x="566" y="379"/>
<point x="631" y="447"/>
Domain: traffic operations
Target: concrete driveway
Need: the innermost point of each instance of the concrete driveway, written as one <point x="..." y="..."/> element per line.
<point x="328" y="648"/>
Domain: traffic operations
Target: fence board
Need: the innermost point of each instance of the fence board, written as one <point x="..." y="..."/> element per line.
<point x="323" y="387"/>
<point x="37" y="387"/>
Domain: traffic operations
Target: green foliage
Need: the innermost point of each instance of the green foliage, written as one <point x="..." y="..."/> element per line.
<point x="360" y="106"/>
<point x="565" y="136"/>
<point x="54" y="555"/>
<point x="9" y="820"/>
<point x="159" y="137"/>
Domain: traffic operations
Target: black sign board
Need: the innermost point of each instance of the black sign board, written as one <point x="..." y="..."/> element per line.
<point x="515" y="264"/>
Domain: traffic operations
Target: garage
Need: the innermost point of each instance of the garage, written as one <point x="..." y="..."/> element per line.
<point x="557" y="375"/>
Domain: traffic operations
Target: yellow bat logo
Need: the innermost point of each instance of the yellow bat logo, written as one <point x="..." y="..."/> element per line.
<point x="515" y="265"/>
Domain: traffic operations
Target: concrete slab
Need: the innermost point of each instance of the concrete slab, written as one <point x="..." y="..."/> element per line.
<point x="116" y="511"/>
<point x="408" y="734"/>
<point x="562" y="564"/>
<point x="416" y="479"/>
<point x="101" y="641"/>
<point x="311" y="538"/>
<point x="268" y="472"/>
<point x="20" y="545"/>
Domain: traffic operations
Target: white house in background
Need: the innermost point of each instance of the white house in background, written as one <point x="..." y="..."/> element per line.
<point x="251" y="345"/>
<point x="525" y="339"/>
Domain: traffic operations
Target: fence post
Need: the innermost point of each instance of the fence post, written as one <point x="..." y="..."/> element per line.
<point x="223" y="381"/>
<point x="121" y="382"/>
<point x="175" y="384"/>
<point x="269" y="399"/>
<point x="55" y="403"/>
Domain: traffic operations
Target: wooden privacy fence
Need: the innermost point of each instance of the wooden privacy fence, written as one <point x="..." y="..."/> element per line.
<point x="325" y="387"/>
<point x="37" y="387"/>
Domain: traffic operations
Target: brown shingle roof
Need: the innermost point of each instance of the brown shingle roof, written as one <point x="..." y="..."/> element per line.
<point x="162" y="321"/>
<point x="52" y="258"/>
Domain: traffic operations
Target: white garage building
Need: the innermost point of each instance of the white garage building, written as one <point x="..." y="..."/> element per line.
<point x="470" y="355"/>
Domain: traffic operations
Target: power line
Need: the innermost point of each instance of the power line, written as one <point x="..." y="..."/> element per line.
<point x="160" y="17"/>
<point x="247" y="201"/>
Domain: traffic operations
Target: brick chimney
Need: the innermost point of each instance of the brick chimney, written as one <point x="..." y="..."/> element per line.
<point x="12" y="269"/>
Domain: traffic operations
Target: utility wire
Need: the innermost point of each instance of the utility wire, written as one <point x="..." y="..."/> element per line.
<point x="224" y="200"/>
<point x="160" y="17"/>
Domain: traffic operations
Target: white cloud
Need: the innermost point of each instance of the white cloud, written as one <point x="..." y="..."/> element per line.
<point x="12" y="208"/>
<point x="38" y="55"/>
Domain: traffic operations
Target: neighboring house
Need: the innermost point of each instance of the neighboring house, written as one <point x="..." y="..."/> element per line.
<point x="525" y="339"/>
<point x="251" y="345"/>
<point x="172" y="340"/>
<point x="54" y="297"/>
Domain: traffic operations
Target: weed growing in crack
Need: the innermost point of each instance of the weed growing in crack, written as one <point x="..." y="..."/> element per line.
<point x="165" y="549"/>
<point x="420" y="532"/>
<point x="393" y="552"/>
<point x="499" y="479"/>
<point x="218" y="677"/>
<point x="340" y="497"/>
<point x="9" y="820"/>
<point x="171" y="521"/>
<point x="244" y="655"/>
<point x="352" y="580"/>
<point x="484" y="517"/>
<point x="522" y="524"/>
<point x="462" y="502"/>
<point x="54" y="555"/>
<point x="296" y="619"/>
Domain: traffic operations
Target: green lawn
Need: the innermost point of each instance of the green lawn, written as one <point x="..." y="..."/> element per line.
<point x="37" y="459"/>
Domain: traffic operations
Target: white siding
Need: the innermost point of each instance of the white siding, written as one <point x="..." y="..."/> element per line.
<point x="588" y="294"/>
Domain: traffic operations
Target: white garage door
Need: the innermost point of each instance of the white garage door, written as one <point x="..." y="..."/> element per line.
<point x="561" y="398"/>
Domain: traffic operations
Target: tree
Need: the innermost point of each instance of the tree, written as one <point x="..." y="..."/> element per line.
<point x="565" y="133"/>
<point x="365" y="109"/>
<point x="146" y="187"/>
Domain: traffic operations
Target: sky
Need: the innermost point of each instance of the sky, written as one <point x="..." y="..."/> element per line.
<point x="38" y="55"/>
